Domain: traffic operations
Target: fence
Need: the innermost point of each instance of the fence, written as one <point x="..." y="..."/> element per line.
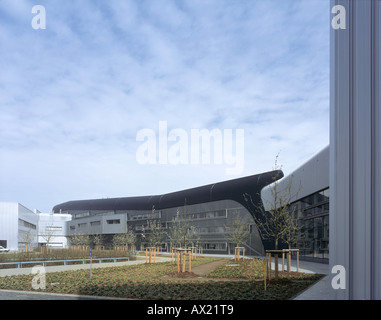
<point x="64" y="262"/>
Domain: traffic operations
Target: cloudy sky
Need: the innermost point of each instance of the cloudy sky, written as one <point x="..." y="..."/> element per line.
<point x="74" y="96"/>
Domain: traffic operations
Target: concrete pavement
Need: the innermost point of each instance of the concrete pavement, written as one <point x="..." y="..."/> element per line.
<point x="318" y="291"/>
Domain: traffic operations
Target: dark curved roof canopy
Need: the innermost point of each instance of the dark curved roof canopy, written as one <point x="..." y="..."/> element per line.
<point x="226" y="190"/>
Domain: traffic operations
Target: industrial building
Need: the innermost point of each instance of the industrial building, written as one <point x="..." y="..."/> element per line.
<point x="210" y="211"/>
<point x="307" y="191"/>
<point x="24" y="229"/>
<point x="18" y="226"/>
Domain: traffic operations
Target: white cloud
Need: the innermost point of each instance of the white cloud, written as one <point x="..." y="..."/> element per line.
<point x="73" y="96"/>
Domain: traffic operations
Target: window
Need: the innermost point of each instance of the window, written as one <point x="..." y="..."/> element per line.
<point x="202" y="215"/>
<point x="114" y="221"/>
<point x="53" y="228"/>
<point x="95" y="223"/>
<point x="210" y="230"/>
<point x="26" y="224"/>
<point x="82" y="214"/>
<point x="313" y="213"/>
<point x="215" y="246"/>
<point x="146" y="216"/>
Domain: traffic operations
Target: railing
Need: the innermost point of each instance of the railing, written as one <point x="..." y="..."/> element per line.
<point x="46" y="262"/>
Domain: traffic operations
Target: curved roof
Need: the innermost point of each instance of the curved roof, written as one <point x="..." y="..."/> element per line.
<point x="226" y="190"/>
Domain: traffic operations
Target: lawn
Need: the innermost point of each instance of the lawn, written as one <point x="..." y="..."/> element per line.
<point x="242" y="281"/>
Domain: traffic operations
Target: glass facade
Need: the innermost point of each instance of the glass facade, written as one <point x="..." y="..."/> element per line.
<point x="313" y="218"/>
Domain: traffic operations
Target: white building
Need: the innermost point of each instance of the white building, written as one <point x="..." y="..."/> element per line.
<point x="52" y="230"/>
<point x="18" y="226"/>
<point x="21" y="227"/>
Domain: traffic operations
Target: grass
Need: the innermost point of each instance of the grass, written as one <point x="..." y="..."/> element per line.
<point x="157" y="281"/>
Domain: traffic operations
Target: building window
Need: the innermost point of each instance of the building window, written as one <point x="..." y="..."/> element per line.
<point x="26" y="224"/>
<point x="202" y="215"/>
<point x="82" y="215"/>
<point x="95" y="223"/>
<point x="215" y="246"/>
<point x="113" y="221"/>
<point x="146" y="216"/>
<point x="207" y="230"/>
<point x="53" y="228"/>
<point x="313" y="217"/>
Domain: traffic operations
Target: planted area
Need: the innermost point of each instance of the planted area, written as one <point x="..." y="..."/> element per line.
<point x="59" y="254"/>
<point x="159" y="281"/>
<point x="252" y="269"/>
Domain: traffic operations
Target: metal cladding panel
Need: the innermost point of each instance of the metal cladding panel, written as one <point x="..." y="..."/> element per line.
<point x="227" y="190"/>
<point x="355" y="215"/>
<point x="311" y="177"/>
<point x="9" y="224"/>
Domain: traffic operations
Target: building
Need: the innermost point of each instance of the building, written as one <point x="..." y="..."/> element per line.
<point x="18" y="226"/>
<point x="52" y="230"/>
<point x="355" y="156"/>
<point x="209" y="209"/>
<point x="307" y="191"/>
<point x="22" y="228"/>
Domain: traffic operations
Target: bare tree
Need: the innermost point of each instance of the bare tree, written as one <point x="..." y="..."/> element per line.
<point x="80" y="239"/>
<point x="98" y="239"/>
<point x="49" y="232"/>
<point x="277" y="222"/>
<point x="124" y="239"/>
<point x="239" y="231"/>
<point x="182" y="232"/>
<point x="28" y="239"/>
<point x="154" y="233"/>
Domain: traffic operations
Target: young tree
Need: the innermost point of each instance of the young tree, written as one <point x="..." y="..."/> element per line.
<point x="124" y="239"/>
<point x="80" y="239"/>
<point x="131" y="237"/>
<point x="239" y="231"/>
<point x="276" y="223"/>
<point x="28" y="239"/>
<point x="155" y="235"/>
<point x="48" y="234"/>
<point x="98" y="239"/>
<point x="182" y="232"/>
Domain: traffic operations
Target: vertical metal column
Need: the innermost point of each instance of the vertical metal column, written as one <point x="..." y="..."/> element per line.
<point x="355" y="159"/>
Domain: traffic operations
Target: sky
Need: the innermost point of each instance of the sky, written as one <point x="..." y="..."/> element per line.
<point x="75" y="94"/>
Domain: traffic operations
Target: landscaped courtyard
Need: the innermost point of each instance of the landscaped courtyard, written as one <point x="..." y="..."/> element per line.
<point x="230" y="280"/>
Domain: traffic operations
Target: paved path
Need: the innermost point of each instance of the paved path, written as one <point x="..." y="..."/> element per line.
<point x="32" y="295"/>
<point x="205" y="268"/>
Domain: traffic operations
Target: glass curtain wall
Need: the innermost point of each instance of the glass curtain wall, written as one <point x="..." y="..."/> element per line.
<point x="313" y="218"/>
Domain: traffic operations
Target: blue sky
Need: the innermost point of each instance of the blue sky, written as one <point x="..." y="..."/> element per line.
<point x="74" y="96"/>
